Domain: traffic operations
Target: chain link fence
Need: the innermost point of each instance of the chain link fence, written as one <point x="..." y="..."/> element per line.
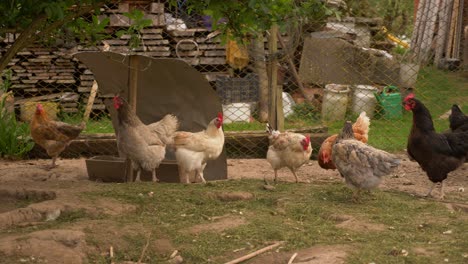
<point x="325" y="72"/>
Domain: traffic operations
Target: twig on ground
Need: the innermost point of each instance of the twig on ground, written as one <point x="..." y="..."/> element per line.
<point x="253" y="254"/>
<point x="292" y="258"/>
<point x="144" y="248"/>
<point x="174" y="254"/>
<point x="111" y="254"/>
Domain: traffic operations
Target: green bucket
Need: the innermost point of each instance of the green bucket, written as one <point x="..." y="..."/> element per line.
<point x="390" y="101"/>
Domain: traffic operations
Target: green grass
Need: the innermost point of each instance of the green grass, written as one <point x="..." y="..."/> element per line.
<point x="302" y="215"/>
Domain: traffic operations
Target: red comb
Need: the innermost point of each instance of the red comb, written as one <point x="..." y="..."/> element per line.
<point x="409" y="96"/>
<point x="220" y="115"/>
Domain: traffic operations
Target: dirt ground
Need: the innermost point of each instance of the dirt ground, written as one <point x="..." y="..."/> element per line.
<point x="57" y="190"/>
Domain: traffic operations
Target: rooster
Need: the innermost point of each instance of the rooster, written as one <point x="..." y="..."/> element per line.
<point x="458" y="120"/>
<point x="53" y="136"/>
<point x="437" y="153"/>
<point x="360" y="129"/>
<point x="144" y="145"/>
<point x="361" y="165"/>
<point x="194" y="150"/>
<point x="287" y="149"/>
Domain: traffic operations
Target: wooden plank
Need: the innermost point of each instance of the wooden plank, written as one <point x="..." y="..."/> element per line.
<point x="212" y="60"/>
<point x="448" y="52"/>
<point x="38" y="98"/>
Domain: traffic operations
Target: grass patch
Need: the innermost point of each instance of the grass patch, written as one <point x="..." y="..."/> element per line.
<point x="299" y="214"/>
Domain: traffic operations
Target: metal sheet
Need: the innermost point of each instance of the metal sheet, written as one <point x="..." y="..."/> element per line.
<point x="164" y="86"/>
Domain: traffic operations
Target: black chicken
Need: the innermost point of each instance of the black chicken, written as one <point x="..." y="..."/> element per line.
<point x="437" y="153"/>
<point x="458" y="120"/>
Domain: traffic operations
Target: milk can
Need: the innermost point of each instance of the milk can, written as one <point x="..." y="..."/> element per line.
<point x="335" y="102"/>
<point x="364" y="100"/>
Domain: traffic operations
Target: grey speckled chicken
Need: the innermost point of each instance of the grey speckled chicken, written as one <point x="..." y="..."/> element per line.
<point x="361" y="165"/>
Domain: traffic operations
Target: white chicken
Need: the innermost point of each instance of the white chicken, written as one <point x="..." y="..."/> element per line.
<point x="194" y="150"/>
<point x="144" y="145"/>
<point x="287" y="149"/>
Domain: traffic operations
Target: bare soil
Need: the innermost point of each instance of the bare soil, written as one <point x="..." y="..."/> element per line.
<point x="61" y="185"/>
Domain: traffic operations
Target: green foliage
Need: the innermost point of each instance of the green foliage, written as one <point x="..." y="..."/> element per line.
<point x="138" y="23"/>
<point x="239" y="19"/>
<point x="397" y="14"/>
<point x="92" y="32"/>
<point x="18" y="14"/>
<point x="15" y="139"/>
<point x="304" y="111"/>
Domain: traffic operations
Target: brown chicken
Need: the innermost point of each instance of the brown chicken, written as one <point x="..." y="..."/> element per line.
<point x="361" y="165"/>
<point x="360" y="129"/>
<point x="144" y="145"/>
<point x="194" y="150"/>
<point x="53" y="136"/>
<point x="287" y="149"/>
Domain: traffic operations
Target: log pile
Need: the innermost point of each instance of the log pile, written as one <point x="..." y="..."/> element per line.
<point x="41" y="71"/>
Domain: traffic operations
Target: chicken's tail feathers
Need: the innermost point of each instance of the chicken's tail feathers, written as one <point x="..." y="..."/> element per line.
<point x="270" y="130"/>
<point x="456" y="109"/>
<point x="165" y="128"/>
<point x="362" y="124"/>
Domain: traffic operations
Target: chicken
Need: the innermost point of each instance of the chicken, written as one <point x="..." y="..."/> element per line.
<point x="437" y="153"/>
<point x="360" y="129"/>
<point x="287" y="149"/>
<point x="458" y="120"/>
<point x="53" y="136"/>
<point x="194" y="150"/>
<point x="144" y="145"/>
<point x="361" y="165"/>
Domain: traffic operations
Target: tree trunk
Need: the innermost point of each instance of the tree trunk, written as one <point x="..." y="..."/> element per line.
<point x="258" y="51"/>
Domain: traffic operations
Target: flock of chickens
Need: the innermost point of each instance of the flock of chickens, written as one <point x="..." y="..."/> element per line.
<point x="361" y="165"/>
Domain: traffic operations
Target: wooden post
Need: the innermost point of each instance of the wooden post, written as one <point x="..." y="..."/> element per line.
<point x="132" y="100"/>
<point x="275" y="113"/>
<point x="465" y="53"/>
<point x="89" y="105"/>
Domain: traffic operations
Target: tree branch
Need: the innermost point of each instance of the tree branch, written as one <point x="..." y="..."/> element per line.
<point x="29" y="36"/>
<point x="22" y="41"/>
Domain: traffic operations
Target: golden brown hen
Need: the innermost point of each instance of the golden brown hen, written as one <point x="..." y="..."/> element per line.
<point x="360" y="129"/>
<point x="53" y="136"/>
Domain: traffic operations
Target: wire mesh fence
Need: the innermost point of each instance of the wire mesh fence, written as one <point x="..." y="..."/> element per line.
<point x="325" y="71"/>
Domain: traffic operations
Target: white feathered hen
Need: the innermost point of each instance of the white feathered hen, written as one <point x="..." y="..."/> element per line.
<point x="287" y="149"/>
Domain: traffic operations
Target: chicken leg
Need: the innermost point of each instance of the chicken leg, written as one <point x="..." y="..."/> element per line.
<point x="154" y="178"/>
<point x="137" y="178"/>
<point x="276" y="176"/>
<point x="429" y="194"/>
<point x="199" y="173"/>
<point x="52" y="165"/>
<point x="295" y="176"/>
<point x="442" y="193"/>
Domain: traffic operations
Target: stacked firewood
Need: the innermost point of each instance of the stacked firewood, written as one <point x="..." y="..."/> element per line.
<point x="45" y="73"/>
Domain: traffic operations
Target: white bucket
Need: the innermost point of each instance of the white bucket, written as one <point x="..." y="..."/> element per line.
<point x="364" y="100"/>
<point x="288" y="103"/>
<point x="335" y="102"/>
<point x="236" y="112"/>
<point x="408" y="74"/>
